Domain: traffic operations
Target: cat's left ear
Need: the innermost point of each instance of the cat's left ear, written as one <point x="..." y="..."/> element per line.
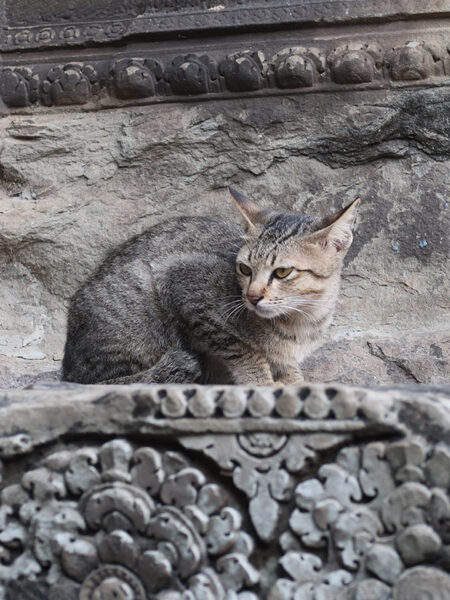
<point x="336" y="234"/>
<point x="251" y="212"/>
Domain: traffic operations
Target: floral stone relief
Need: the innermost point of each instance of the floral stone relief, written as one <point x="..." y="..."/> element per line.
<point x="127" y="522"/>
<point x="309" y="493"/>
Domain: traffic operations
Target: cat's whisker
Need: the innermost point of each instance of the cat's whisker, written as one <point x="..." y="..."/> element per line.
<point x="232" y="302"/>
<point x="302" y="312"/>
<point x="234" y="312"/>
<point x="307" y="302"/>
<point x="231" y="305"/>
<point x="228" y="312"/>
<point x="306" y="298"/>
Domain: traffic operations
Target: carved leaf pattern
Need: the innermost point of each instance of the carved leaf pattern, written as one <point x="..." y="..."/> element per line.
<point x="119" y="521"/>
<point x="132" y="522"/>
<point x="380" y="512"/>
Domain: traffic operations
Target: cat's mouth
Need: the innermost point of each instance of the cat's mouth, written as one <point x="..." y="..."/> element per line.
<point x="265" y="311"/>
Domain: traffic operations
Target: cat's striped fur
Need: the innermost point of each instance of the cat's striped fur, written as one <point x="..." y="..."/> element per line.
<point x="173" y="305"/>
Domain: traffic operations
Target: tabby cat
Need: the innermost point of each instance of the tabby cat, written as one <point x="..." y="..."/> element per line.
<point x="195" y="299"/>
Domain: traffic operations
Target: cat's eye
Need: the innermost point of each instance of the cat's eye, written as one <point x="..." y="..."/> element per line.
<point x="282" y="272"/>
<point x="245" y="270"/>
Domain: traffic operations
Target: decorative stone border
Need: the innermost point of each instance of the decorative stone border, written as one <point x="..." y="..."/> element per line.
<point x="29" y="25"/>
<point x="306" y="65"/>
<point x="178" y="410"/>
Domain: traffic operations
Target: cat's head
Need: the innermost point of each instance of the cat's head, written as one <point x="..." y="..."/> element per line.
<point x="291" y="263"/>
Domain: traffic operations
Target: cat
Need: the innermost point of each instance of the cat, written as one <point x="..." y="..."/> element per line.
<point x="198" y="300"/>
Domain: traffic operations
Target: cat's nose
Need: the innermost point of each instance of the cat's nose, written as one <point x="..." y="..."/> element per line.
<point x="254" y="298"/>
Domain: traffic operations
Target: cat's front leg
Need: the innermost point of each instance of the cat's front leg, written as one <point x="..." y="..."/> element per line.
<point x="250" y="369"/>
<point x="288" y="374"/>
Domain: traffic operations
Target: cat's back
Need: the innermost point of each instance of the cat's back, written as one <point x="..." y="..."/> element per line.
<point x="129" y="269"/>
<point x="179" y="236"/>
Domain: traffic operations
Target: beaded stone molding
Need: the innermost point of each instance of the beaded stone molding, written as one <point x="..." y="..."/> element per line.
<point x="31" y="24"/>
<point x="225" y="492"/>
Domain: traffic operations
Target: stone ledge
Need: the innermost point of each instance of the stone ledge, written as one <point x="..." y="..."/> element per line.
<point x="341" y="59"/>
<point x="72" y="409"/>
<point x="97" y="498"/>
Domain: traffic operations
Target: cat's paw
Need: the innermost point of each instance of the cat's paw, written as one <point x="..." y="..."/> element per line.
<point x="294" y="380"/>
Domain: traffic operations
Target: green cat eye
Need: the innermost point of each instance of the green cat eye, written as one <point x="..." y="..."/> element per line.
<point x="245" y="270"/>
<point x="283" y="272"/>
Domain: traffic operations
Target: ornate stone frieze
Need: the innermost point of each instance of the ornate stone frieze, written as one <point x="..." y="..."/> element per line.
<point x="317" y="493"/>
<point x="119" y="521"/>
<point x="278" y="64"/>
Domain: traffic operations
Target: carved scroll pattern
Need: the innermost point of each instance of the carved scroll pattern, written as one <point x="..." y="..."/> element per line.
<point x="373" y="525"/>
<point x="120" y="522"/>
<point x="367" y="520"/>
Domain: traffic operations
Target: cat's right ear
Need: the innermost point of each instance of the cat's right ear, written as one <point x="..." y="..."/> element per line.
<point x="251" y="212"/>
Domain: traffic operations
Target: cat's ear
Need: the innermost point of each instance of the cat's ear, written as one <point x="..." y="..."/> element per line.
<point x="251" y="212"/>
<point x="336" y="233"/>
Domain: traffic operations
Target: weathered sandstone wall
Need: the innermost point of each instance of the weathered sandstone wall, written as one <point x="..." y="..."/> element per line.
<point x="74" y="184"/>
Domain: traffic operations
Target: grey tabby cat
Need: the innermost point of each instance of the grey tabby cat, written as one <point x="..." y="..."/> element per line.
<point x="195" y="299"/>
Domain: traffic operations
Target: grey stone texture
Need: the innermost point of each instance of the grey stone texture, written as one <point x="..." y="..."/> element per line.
<point x="106" y="492"/>
<point x="75" y="184"/>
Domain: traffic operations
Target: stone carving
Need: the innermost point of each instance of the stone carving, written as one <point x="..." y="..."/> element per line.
<point x="157" y="78"/>
<point x="72" y="84"/>
<point x="135" y="77"/>
<point x="347" y="488"/>
<point x="18" y="87"/>
<point x="26" y="19"/>
<point x="380" y="513"/>
<point x="243" y="71"/>
<point x="413" y="62"/>
<point x="262" y="465"/>
<point x="33" y="11"/>
<point x="190" y="74"/>
<point x="355" y="64"/>
<point x="297" y="67"/>
<point x="124" y="522"/>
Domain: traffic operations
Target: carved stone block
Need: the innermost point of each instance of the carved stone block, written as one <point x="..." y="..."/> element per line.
<point x="303" y="493"/>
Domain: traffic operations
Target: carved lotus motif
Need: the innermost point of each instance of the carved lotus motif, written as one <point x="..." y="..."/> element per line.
<point x="72" y="84"/>
<point x="135" y="78"/>
<point x="297" y="67"/>
<point x="18" y="87"/>
<point x="411" y="63"/>
<point x="243" y="71"/>
<point x="190" y="74"/>
<point x="125" y="523"/>
<point x="353" y="66"/>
